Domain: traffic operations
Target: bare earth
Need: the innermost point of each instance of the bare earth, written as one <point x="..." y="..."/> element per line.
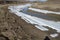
<point x="47" y="6"/>
<point x="13" y="27"/>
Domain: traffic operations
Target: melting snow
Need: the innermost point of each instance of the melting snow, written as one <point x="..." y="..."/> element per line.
<point x="43" y="11"/>
<point x="39" y="23"/>
<point x="54" y="35"/>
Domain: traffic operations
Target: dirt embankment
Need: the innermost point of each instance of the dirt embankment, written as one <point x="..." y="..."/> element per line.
<point x="47" y="6"/>
<point x="54" y="1"/>
<point x="13" y="27"/>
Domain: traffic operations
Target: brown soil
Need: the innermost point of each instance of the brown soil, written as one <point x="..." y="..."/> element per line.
<point x="13" y="27"/>
<point x="49" y="5"/>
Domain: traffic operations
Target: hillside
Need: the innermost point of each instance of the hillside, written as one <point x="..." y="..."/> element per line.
<point x="54" y="1"/>
<point x="13" y="27"/>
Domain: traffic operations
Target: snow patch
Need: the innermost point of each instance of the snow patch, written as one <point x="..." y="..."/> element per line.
<point x="39" y="23"/>
<point x="54" y="35"/>
<point x="43" y="11"/>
